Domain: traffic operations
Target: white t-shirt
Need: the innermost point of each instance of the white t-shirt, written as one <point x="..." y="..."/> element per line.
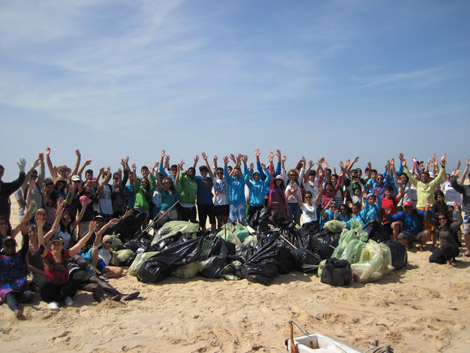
<point x="105" y="255"/>
<point x="220" y="191"/>
<point x="309" y="213"/>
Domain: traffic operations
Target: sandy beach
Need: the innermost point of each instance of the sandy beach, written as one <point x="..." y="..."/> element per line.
<point x="423" y="308"/>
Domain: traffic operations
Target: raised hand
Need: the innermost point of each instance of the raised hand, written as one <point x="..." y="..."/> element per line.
<point x="77" y="152"/>
<point x="204" y="156"/>
<point x="21" y="164"/>
<point x="257" y="153"/>
<point x="48" y="151"/>
<point x="443" y="160"/>
<point x="226" y="160"/>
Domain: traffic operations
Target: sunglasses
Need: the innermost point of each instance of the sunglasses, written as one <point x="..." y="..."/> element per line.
<point x="442" y="218"/>
<point x="108" y="242"/>
<point x="33" y="176"/>
<point x="291" y="175"/>
<point x="308" y="197"/>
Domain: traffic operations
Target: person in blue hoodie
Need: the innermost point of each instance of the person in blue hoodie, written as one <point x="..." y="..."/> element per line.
<point x="236" y="184"/>
<point x="257" y="187"/>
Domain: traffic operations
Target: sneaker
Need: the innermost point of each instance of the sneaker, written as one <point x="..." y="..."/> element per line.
<point x="53" y="305"/>
<point x="68" y="301"/>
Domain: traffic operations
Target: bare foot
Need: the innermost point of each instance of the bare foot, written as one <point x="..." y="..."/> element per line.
<point x="19" y="314"/>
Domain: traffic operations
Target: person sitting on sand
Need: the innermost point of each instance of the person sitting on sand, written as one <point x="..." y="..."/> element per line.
<point x="446" y="232"/>
<point x="79" y="272"/>
<point x="58" y="286"/>
<point x="13" y="282"/>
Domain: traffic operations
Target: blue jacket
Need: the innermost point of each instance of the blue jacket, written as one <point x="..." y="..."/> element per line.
<point x="236" y="188"/>
<point x="257" y="188"/>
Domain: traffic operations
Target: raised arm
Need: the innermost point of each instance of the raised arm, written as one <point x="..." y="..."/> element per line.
<point x="55" y="225"/>
<point x="77" y="162"/>
<point x="178" y="173"/>
<point x="465" y="172"/>
<point x="50" y="166"/>
<point x="81" y="243"/>
<point x="87" y="163"/>
<point x="204" y="156"/>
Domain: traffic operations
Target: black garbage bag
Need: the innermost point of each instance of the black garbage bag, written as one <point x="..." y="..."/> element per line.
<point x="324" y="243"/>
<point x="308" y="260"/>
<point x="245" y="252"/>
<point x="399" y="254"/>
<point x="222" y="247"/>
<point x="377" y="231"/>
<point x="157" y="267"/>
<point x="129" y="226"/>
<point x="214" y="266"/>
<point x="336" y="272"/>
<point x="142" y="241"/>
<point x="263" y="272"/>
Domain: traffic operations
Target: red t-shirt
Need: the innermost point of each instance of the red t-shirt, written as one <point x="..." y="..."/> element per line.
<point x="57" y="272"/>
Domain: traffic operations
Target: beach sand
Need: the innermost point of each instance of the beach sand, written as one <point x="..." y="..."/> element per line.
<point x="423" y="308"/>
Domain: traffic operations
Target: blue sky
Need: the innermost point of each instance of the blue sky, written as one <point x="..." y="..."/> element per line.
<point x="314" y="78"/>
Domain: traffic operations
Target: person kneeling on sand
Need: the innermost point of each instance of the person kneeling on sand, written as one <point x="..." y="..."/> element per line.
<point x="84" y="276"/>
<point x="410" y="225"/>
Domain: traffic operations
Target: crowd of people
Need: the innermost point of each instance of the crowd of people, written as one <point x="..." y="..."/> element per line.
<point x="63" y="218"/>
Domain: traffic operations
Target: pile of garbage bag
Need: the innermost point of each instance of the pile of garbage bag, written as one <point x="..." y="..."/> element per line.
<point x="267" y="247"/>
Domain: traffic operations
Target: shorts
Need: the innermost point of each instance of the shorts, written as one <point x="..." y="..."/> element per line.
<point x="188" y="213"/>
<point x="205" y="211"/>
<point x="237" y="213"/>
<point x="221" y="210"/>
<point x="101" y="265"/>
<point x="412" y="237"/>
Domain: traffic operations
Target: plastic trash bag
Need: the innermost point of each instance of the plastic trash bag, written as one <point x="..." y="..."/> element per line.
<point x="125" y="257"/>
<point x="139" y="261"/>
<point x="336" y="272"/>
<point x="324" y="243"/>
<point x="187" y="271"/>
<point x="399" y="254"/>
<point x="174" y="227"/>
<point x="263" y="272"/>
<point x="214" y="266"/>
<point x="159" y="266"/>
<point x="375" y="262"/>
<point x="117" y="243"/>
<point x="334" y="226"/>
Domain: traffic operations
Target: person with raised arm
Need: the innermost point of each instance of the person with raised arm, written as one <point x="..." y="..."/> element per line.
<point x="169" y="193"/>
<point x="236" y="184"/>
<point x="447" y="234"/>
<point x="221" y="198"/>
<point x="290" y="178"/>
<point x="309" y="209"/>
<point x="205" y="205"/>
<point x="6" y="189"/>
<point x="58" y="287"/>
<point x="188" y="192"/>
<point x="465" y="191"/>
<point x="257" y="186"/>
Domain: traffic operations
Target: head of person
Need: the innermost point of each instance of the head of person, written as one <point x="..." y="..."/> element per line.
<point x="100" y="221"/>
<point x="2" y="170"/>
<point x="220" y="173"/>
<point x="359" y="172"/>
<point x="308" y="197"/>
<point x="343" y="209"/>
<point x="311" y="176"/>
<point x="425" y="177"/>
<point x="34" y="176"/>
<point x="371" y="199"/>
<point x="373" y="174"/>
<point x="380" y="179"/>
<point x="327" y="172"/>
<point x="89" y="174"/>
<point x="334" y="179"/>
<point x="168" y="185"/>
<point x="145" y="184"/>
<point x="5" y="226"/>
<point x="57" y="244"/>
<point x="203" y="170"/>
<point x="278" y="182"/>
<point x="389" y="192"/>
<point x="229" y="169"/>
<point x="439" y="196"/>
<point x="191" y="172"/>
<point x="116" y="178"/>
<point x="403" y="178"/>
<point x="48" y="186"/>
<point x="107" y="242"/>
<point x="60" y="183"/>
<point x="131" y="177"/>
<point x="329" y="186"/>
<point x="236" y="171"/>
<point x="66" y="220"/>
<point x="9" y="246"/>
<point x="408" y="206"/>
<point x="144" y="171"/>
<point x="255" y="176"/>
<point x="332" y="206"/>
<point x="76" y="181"/>
<point x="174" y="169"/>
<point x="443" y="219"/>
<point x="356" y="208"/>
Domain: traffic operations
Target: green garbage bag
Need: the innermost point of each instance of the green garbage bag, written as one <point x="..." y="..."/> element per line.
<point x="139" y="261"/>
<point x="188" y="271"/>
<point x="171" y="228"/>
<point x="374" y="263"/>
<point x="124" y="255"/>
<point x="335" y="226"/>
<point x="116" y="241"/>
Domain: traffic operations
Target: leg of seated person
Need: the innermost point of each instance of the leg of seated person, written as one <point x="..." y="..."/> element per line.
<point x="112" y="271"/>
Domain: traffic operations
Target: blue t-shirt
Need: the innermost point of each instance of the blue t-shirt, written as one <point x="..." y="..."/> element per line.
<point x="204" y="190"/>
